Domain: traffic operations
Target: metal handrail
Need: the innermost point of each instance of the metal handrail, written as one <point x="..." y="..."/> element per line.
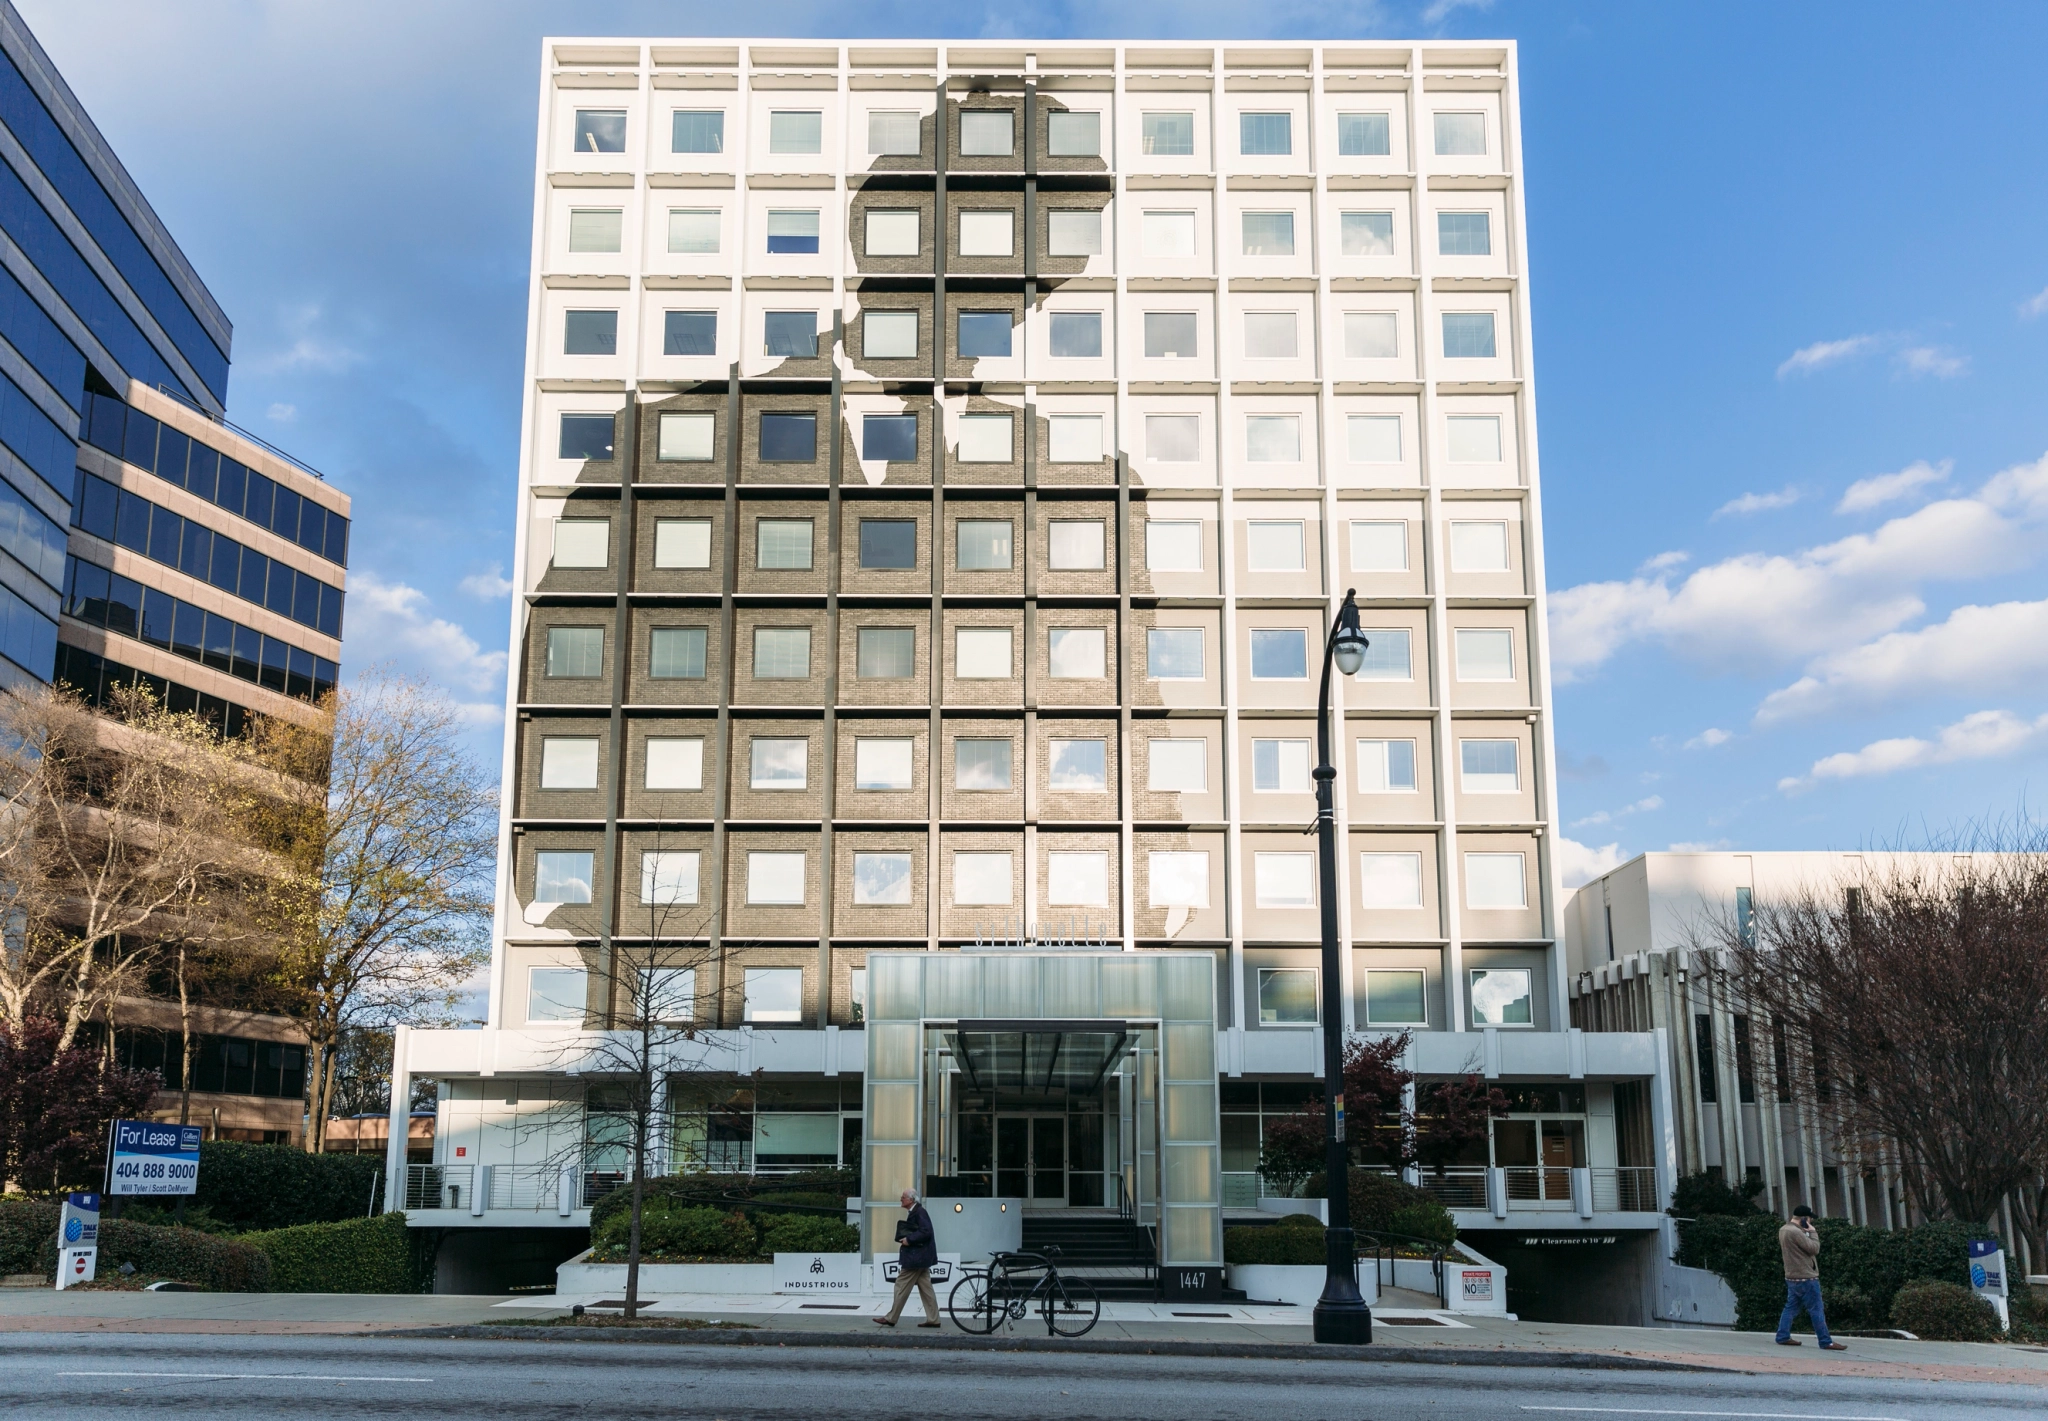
<point x="1384" y="1248"/>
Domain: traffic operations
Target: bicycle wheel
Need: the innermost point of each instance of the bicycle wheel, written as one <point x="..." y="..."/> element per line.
<point x="1071" y="1307"/>
<point x="973" y="1305"/>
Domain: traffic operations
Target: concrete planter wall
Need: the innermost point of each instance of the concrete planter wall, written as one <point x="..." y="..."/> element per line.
<point x="1317" y="1208"/>
<point x="1298" y="1284"/>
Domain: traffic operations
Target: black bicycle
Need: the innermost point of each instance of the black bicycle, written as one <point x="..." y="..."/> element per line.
<point x="1015" y="1283"/>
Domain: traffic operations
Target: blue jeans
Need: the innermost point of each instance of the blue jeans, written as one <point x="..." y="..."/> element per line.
<point x="1803" y="1295"/>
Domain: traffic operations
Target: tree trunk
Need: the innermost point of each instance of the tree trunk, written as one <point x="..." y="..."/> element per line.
<point x="639" y="1196"/>
<point x="316" y="1090"/>
<point x="185" y="1033"/>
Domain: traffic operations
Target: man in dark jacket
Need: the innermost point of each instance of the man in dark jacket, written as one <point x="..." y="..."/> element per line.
<point x="917" y="1249"/>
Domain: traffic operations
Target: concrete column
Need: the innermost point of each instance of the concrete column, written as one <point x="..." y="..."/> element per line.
<point x="401" y="1119"/>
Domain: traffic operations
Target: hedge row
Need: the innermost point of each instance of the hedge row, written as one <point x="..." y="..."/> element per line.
<point x="244" y="1186"/>
<point x="1861" y="1269"/>
<point x="359" y="1256"/>
<point x="1386" y="1203"/>
<point x="821" y="1192"/>
<point x="674" y="1232"/>
<point x="1297" y="1240"/>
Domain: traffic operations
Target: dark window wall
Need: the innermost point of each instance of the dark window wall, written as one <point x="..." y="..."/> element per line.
<point x="225" y="1065"/>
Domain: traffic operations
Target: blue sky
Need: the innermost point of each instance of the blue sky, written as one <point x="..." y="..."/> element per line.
<point x="1791" y="302"/>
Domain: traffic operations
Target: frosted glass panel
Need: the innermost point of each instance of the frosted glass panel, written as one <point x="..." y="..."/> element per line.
<point x="1071" y="986"/>
<point x="1188" y="989"/>
<point x="952" y="985"/>
<point x="1010" y="987"/>
<point x="1191" y="1236"/>
<point x="1190" y="1051"/>
<point x="892" y="1112"/>
<point x="1191" y="1112"/>
<point x="1191" y="1174"/>
<point x="895" y="984"/>
<point x="1130" y="987"/>
<point x="891" y="1170"/>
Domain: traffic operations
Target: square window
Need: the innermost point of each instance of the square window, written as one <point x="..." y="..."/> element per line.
<point x="790" y="335"/>
<point x="1075" y="545"/>
<point x="1173" y="653"/>
<point x="1265" y="135"/>
<point x="796" y="131"/>
<point x="985" y="334"/>
<point x="1371" y="335"/>
<point x="981" y="766"/>
<point x="1365" y="234"/>
<point x="1077" y="766"/>
<point x="1268" y="234"/>
<point x="1177" y="766"/>
<point x="1500" y="997"/>
<point x="668" y="994"/>
<point x="1390" y="880"/>
<point x="1495" y="881"/>
<point x="775" y="993"/>
<point x="1396" y="997"/>
<point x="1077" y="880"/>
<point x="1269" y="335"/>
<point x="1272" y="439"/>
<point x="1173" y="545"/>
<point x="1173" y="438"/>
<point x="668" y="877"/>
<point x="775" y="880"/>
<point x="1281" y="767"/>
<point x="689" y="333"/>
<point x="889" y="335"/>
<point x="586" y="436"/>
<point x="1284" y="880"/>
<point x="1074" y="439"/>
<point x="789" y="439"/>
<point x="561" y="876"/>
<point x="1460" y="135"/>
<point x="888" y="544"/>
<point x="984" y="438"/>
<point x="1076" y="335"/>
<point x="1287" y="996"/>
<point x="682" y="542"/>
<point x="780" y="763"/>
<point x="885" y="653"/>
<point x="893" y="439"/>
<point x="981" y="880"/>
<point x="792" y="231"/>
<point x="1073" y="134"/>
<point x="697" y="131"/>
<point x="1374" y="438"/>
<point x="894" y="133"/>
<point x="1479" y="546"/>
<point x="576" y="652"/>
<point x="987" y="133"/>
<point x="675" y="762"/>
<point x="1379" y="546"/>
<point x="1167" y="234"/>
<point x="1386" y="767"/>
<point x="590" y="333"/>
<point x="986" y="233"/>
<point x="982" y="545"/>
<point x="556" y="994"/>
<point x="1169" y="134"/>
<point x="1473" y="438"/>
<point x="881" y="880"/>
<point x="1077" y="653"/>
<point x="783" y="543"/>
<point x="596" y="229"/>
<point x="782" y="653"/>
<point x="1177" y="878"/>
<point x="600" y="130"/>
<point x="1073" y="232"/>
<point x="1485" y="654"/>
<point x="1464" y="234"/>
<point x="1468" y="335"/>
<point x="1275" y="546"/>
<point x="1387" y="655"/>
<point x="1488" y="767"/>
<point x="583" y="542"/>
<point x="1169" y="335"/>
<point x="677" y="653"/>
<point x="892" y="233"/>
<point x="982" y="653"/>
<point x="884" y="764"/>
<point x="1363" y="135"/>
<point x="568" y="762"/>
<point x="693" y="230"/>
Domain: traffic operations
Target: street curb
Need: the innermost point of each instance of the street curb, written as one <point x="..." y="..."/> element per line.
<point x="1448" y="1356"/>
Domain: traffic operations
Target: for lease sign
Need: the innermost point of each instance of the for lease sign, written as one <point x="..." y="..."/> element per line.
<point x="147" y="1158"/>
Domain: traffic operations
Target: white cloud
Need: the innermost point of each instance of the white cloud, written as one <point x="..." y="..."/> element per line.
<point x="1938" y="361"/>
<point x="1581" y="863"/>
<point x="2035" y="305"/>
<point x="1697" y="846"/>
<point x="308" y="349"/>
<point x="490" y="584"/>
<point x="1759" y="502"/>
<point x="1984" y="735"/>
<point x="1664" y="562"/>
<point x="282" y="413"/>
<point x="1823" y="353"/>
<point x="1973" y="650"/>
<point x="1437" y="11"/>
<point x="1641" y="806"/>
<point x="1709" y="738"/>
<point x="390" y="622"/>
<point x="1884" y="488"/>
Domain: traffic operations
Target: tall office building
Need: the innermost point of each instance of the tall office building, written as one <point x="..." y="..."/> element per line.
<point x="940" y="466"/>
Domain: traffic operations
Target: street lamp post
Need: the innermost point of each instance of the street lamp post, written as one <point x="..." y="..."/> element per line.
<point x="1341" y="1313"/>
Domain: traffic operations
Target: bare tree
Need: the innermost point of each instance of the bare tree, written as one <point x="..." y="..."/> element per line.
<point x="384" y="910"/>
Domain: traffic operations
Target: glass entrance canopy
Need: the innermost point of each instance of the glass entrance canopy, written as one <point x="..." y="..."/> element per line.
<point x="1044" y="1058"/>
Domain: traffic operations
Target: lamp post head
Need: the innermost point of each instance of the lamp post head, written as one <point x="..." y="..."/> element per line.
<point x="1349" y="644"/>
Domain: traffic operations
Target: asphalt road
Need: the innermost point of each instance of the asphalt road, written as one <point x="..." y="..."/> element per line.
<point x="109" y="1374"/>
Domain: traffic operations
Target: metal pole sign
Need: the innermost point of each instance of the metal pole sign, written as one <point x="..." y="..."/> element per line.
<point x="78" y="1239"/>
<point x="144" y="1157"/>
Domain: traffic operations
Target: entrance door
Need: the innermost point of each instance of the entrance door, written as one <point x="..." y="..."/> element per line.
<point x="1031" y="1158"/>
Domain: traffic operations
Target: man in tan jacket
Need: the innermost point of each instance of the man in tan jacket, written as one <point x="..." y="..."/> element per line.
<point x="1799" y="1241"/>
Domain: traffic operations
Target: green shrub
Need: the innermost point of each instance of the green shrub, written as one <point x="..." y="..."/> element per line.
<point x="26" y="1226"/>
<point x="1701" y="1195"/>
<point x="1872" y="1265"/>
<point x="675" y="1233"/>
<point x="815" y="1188"/>
<point x="357" y="1256"/>
<point x="807" y="1233"/>
<point x="1427" y="1220"/>
<point x="1289" y="1243"/>
<point x="219" y="1265"/>
<point x="246" y="1186"/>
<point x="1944" y="1312"/>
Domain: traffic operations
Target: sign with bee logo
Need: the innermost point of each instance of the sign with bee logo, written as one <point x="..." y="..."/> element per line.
<point x="817" y="1274"/>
